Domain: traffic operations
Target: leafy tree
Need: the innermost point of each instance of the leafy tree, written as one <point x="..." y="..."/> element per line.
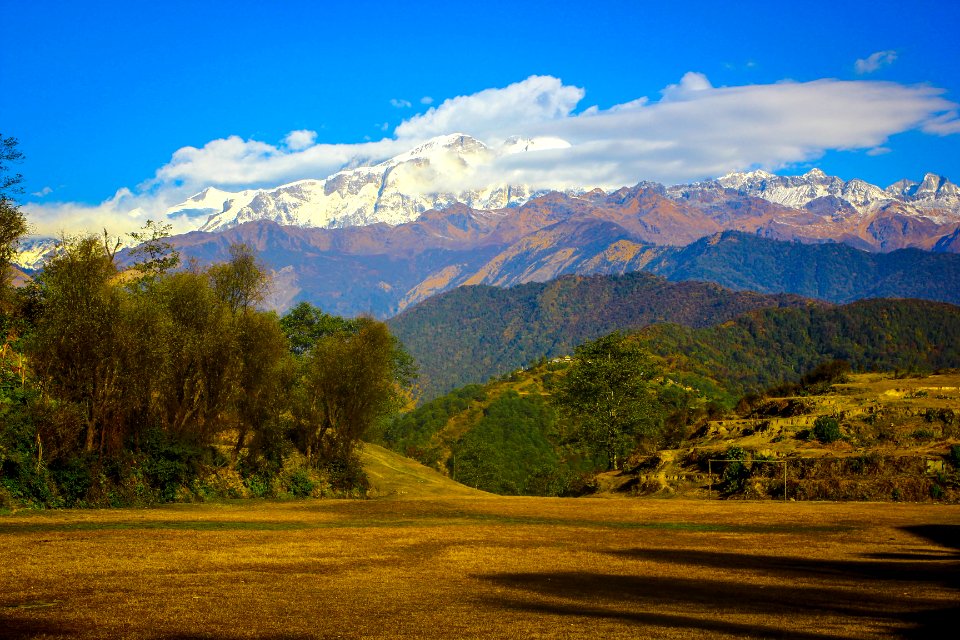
<point x="13" y="224"/>
<point x="154" y="254"/>
<point x="77" y="344"/>
<point x="826" y="429"/>
<point x="607" y="395"/>
<point x="305" y="324"/>
<point x="349" y="382"/>
<point x="198" y="383"/>
<point x="241" y="283"/>
<point x="263" y="376"/>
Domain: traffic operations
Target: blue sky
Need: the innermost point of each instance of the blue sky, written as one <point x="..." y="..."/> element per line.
<point x="122" y="105"/>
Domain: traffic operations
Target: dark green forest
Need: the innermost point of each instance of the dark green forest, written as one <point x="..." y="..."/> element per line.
<point x="830" y="271"/>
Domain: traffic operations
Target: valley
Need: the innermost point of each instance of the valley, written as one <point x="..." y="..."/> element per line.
<point x="376" y="321"/>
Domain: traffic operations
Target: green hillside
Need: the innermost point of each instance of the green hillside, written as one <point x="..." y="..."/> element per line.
<point x="773" y="346"/>
<point x="508" y="437"/>
<point x="472" y="333"/>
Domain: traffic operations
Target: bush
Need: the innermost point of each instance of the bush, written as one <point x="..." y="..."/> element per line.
<point x="826" y="429"/>
<point x="736" y="472"/>
<point x="955" y="455"/>
<point x="301" y="486"/>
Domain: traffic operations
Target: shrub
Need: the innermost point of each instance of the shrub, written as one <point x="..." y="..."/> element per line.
<point x="826" y="429"/>
<point x="301" y="486"/>
<point x="955" y="455"/>
<point x="736" y="472"/>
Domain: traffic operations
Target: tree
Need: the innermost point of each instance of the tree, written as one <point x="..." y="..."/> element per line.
<point x="305" y="324"/>
<point x="606" y="395"/>
<point x="349" y="382"/>
<point x="154" y="253"/>
<point x="198" y="382"/>
<point x="13" y="224"/>
<point x="263" y="353"/>
<point x="826" y="429"/>
<point x="76" y="342"/>
<point x="241" y="282"/>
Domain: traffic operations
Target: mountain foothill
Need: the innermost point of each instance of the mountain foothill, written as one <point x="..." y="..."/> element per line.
<point x="729" y="286"/>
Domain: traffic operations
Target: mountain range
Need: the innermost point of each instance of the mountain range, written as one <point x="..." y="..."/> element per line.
<point x="458" y="169"/>
<point x="378" y="239"/>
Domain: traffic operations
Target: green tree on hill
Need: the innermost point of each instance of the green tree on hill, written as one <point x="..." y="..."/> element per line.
<point x="305" y="324"/>
<point x="606" y="395"/>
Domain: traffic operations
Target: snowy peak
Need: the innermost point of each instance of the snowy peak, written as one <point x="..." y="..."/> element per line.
<point x="518" y="144"/>
<point x="799" y="191"/>
<point x="458" y="144"/>
<point x="933" y="191"/>
<point x="436" y="174"/>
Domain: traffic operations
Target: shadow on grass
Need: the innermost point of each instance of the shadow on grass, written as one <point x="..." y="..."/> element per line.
<point x="808" y="590"/>
<point x="15" y="625"/>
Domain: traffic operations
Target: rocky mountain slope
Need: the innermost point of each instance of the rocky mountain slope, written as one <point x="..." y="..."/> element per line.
<point x="382" y="269"/>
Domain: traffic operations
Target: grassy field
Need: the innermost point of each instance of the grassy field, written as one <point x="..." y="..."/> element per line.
<point x="425" y="566"/>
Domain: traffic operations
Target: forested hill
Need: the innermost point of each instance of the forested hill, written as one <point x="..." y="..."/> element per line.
<point x="507" y="436"/>
<point x="830" y="271"/>
<point x="768" y="347"/>
<point x="475" y="332"/>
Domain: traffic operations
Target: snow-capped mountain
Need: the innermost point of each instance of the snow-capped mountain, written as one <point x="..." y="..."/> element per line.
<point x="933" y="193"/>
<point x="460" y="170"/>
<point x="34" y="252"/>
<point x="435" y="175"/>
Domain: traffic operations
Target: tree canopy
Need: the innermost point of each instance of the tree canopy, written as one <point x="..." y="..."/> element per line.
<point x="129" y="379"/>
<point x="606" y="393"/>
<point x="13" y="224"/>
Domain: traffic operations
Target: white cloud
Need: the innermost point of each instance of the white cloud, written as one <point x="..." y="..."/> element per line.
<point x="43" y="192"/>
<point x="300" y="139"/>
<point x="944" y="124"/>
<point x="400" y="103"/>
<point x="691" y="84"/>
<point x="426" y="100"/>
<point x="693" y="131"/>
<point x="234" y="162"/>
<point x="492" y="114"/>
<point x="874" y="61"/>
<point x="120" y="214"/>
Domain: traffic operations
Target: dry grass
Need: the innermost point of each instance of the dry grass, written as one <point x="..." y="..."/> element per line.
<point x="391" y="474"/>
<point x="482" y="567"/>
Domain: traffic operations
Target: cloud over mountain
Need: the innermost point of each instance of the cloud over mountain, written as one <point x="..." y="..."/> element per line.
<point x="693" y="131"/>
